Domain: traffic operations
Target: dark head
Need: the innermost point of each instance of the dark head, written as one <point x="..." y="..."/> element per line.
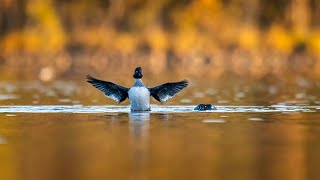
<point x="137" y="73"/>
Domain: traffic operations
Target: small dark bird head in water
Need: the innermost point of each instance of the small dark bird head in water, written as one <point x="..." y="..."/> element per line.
<point x="137" y="73"/>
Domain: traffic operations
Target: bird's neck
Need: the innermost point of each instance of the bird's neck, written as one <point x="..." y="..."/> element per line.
<point x="138" y="82"/>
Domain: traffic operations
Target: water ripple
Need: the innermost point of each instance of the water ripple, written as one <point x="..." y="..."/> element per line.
<point x="155" y="109"/>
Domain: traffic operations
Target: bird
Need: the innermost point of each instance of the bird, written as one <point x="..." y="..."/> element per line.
<point x="139" y="94"/>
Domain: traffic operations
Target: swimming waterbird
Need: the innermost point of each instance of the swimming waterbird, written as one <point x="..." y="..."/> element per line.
<point x="138" y="94"/>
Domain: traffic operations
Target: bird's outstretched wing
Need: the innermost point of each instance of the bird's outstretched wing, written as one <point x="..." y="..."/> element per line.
<point x="111" y="90"/>
<point x="168" y="90"/>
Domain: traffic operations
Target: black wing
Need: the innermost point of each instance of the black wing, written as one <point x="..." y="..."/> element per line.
<point x="168" y="90"/>
<point x="111" y="90"/>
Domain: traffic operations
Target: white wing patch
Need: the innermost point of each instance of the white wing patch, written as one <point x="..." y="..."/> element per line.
<point x="113" y="97"/>
<point x="165" y="98"/>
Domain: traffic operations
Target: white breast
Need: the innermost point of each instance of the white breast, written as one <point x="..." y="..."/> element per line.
<point x="139" y="99"/>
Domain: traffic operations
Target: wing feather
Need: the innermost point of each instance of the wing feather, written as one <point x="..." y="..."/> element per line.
<point x="166" y="91"/>
<point x="111" y="90"/>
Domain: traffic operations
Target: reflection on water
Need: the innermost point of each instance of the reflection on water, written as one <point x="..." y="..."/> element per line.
<point x="139" y="135"/>
<point x="139" y="124"/>
<point x="139" y="116"/>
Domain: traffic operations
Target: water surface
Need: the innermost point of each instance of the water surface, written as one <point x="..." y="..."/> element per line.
<point x="66" y="130"/>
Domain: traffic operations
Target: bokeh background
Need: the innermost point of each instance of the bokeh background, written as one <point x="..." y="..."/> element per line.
<point x="255" y="39"/>
<point x="233" y="52"/>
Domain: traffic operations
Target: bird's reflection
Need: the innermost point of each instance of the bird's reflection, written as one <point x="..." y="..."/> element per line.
<point x="139" y="123"/>
<point x="139" y="116"/>
<point x="139" y="131"/>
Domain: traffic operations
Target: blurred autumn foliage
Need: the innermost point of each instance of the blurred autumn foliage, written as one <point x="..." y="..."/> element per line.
<point x="256" y="38"/>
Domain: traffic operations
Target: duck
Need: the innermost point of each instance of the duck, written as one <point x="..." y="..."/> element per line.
<point x="139" y="94"/>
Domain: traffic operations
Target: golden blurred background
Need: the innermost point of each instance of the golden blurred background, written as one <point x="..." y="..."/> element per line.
<point x="233" y="52"/>
<point x="258" y="39"/>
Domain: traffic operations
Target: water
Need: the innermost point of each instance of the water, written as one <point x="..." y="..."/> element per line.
<point x="154" y="109"/>
<point x="61" y="131"/>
